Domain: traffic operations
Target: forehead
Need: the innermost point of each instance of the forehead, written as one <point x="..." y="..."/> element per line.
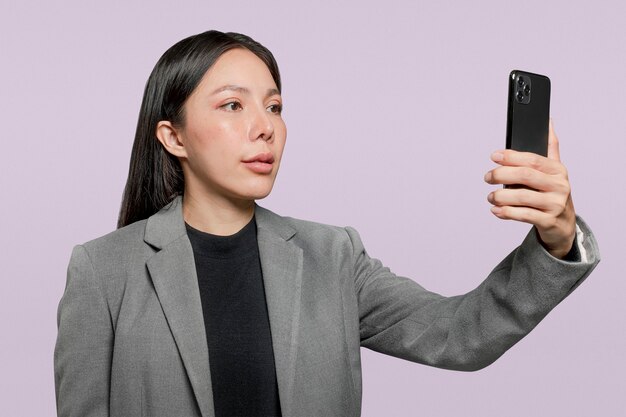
<point x="241" y="67"/>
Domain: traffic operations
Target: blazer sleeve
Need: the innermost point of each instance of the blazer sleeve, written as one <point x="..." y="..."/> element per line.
<point x="82" y="355"/>
<point x="398" y="317"/>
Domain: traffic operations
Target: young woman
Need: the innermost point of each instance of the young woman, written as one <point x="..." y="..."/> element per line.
<point x="204" y="303"/>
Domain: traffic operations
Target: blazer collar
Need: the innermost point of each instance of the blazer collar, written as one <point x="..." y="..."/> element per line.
<point x="173" y="273"/>
<point x="168" y="224"/>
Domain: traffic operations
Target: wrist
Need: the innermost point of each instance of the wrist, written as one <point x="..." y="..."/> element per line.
<point x="563" y="251"/>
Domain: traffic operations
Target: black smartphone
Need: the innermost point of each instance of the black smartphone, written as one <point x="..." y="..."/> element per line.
<point x="528" y="113"/>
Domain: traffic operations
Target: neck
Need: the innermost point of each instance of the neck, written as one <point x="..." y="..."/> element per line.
<point x="220" y="217"/>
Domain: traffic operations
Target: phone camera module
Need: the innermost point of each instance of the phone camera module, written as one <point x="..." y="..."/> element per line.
<point x="522" y="89"/>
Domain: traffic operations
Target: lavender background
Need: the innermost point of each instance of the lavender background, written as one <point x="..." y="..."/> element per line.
<point x="392" y="112"/>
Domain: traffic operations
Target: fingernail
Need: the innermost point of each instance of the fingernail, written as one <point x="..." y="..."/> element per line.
<point x="497" y="156"/>
<point x="496" y="210"/>
<point x="490" y="198"/>
<point x="488" y="176"/>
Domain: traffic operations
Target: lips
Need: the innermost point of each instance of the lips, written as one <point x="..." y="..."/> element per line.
<point x="267" y="158"/>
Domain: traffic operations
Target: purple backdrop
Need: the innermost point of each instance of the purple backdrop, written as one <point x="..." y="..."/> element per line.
<point x="392" y="113"/>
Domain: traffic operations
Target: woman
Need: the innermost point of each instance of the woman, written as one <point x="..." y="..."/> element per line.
<point x="203" y="303"/>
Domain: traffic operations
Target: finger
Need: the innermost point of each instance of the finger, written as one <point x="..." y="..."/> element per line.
<point x="524" y="176"/>
<point x="522" y="197"/>
<point x="509" y="157"/>
<point x="523" y="214"/>
<point x="553" y="143"/>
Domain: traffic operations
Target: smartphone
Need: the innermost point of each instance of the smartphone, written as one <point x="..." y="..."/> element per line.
<point x="528" y="114"/>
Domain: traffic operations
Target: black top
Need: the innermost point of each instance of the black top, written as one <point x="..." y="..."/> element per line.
<point x="237" y="326"/>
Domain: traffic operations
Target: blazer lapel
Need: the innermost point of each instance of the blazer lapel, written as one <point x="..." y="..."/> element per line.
<point x="174" y="276"/>
<point x="281" y="264"/>
<point x="173" y="273"/>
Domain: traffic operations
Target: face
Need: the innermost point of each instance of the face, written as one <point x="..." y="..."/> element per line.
<point x="233" y="116"/>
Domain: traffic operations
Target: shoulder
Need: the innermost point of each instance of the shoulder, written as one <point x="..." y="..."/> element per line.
<point x="112" y="253"/>
<point x="111" y="262"/>
<point x="312" y="235"/>
<point x="315" y="230"/>
<point x="120" y="239"/>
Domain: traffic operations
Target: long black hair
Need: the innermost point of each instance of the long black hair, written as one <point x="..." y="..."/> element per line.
<point x="155" y="177"/>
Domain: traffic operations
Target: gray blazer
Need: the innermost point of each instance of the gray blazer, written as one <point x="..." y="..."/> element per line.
<point x="131" y="338"/>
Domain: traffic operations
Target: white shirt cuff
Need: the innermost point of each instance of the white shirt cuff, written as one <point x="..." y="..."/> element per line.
<point x="580" y="237"/>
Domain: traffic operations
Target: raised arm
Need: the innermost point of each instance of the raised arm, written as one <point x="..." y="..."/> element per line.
<point x="466" y="332"/>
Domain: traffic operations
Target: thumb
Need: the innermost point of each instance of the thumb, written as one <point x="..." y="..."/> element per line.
<point x="553" y="143"/>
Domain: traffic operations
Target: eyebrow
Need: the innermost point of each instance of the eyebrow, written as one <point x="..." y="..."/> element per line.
<point x="243" y="90"/>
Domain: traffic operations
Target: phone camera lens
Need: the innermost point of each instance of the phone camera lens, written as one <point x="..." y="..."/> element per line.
<point x="520" y="81"/>
<point x="527" y="89"/>
<point x="520" y="95"/>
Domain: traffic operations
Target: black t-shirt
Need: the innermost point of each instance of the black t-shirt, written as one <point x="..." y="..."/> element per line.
<point x="237" y="326"/>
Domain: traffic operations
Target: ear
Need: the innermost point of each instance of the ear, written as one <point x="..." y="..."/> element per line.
<point x="170" y="138"/>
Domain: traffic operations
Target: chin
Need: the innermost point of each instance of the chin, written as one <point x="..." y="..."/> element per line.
<point x="255" y="193"/>
<point x="260" y="188"/>
<point x="261" y="195"/>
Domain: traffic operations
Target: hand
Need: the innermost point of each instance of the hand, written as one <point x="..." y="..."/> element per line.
<point x="546" y="203"/>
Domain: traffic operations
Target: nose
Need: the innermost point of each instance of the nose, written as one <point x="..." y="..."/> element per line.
<point x="261" y="126"/>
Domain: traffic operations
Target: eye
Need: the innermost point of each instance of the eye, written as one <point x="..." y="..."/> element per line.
<point x="232" y="106"/>
<point x="275" y="108"/>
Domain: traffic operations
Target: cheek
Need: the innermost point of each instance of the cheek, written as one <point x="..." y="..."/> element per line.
<point x="281" y="136"/>
<point x="215" y="142"/>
